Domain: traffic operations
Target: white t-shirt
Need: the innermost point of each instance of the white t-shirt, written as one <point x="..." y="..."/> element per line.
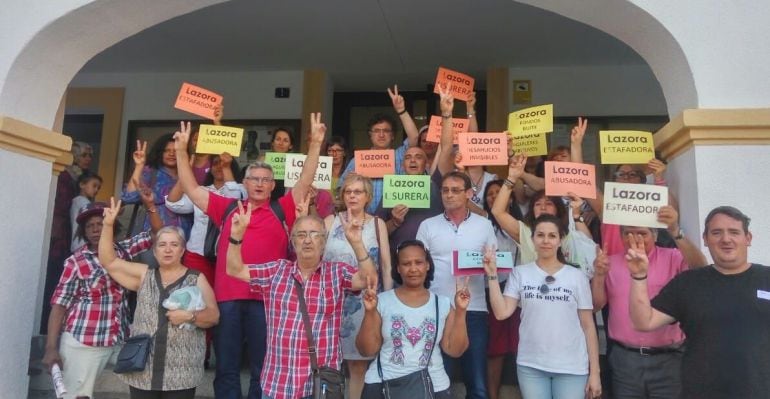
<point x="407" y="336"/>
<point x="441" y="238"/>
<point x="550" y="336"/>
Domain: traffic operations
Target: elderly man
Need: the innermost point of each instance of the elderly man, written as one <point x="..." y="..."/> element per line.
<point x="644" y="364"/>
<point x="381" y="129"/>
<point x="242" y="311"/>
<point x="287" y="373"/>
<point x="723" y="309"/>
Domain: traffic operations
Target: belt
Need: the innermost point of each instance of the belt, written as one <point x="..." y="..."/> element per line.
<point x="649" y="351"/>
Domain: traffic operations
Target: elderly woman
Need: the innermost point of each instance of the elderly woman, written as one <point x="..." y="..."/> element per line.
<point x="402" y="326"/>
<point x="356" y="194"/>
<point x="174" y="367"/>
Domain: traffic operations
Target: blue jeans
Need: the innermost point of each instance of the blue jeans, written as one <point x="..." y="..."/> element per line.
<point x="474" y="360"/>
<point x="537" y="384"/>
<point x="239" y="320"/>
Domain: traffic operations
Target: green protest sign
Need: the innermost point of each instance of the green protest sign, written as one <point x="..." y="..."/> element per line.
<point x="410" y="190"/>
<point x="277" y="161"/>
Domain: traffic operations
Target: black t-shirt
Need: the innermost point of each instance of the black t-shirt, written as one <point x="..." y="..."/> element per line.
<point x="726" y="319"/>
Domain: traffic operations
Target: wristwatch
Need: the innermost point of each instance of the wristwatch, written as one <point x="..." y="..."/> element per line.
<point x="579" y="219"/>
<point x="680" y="235"/>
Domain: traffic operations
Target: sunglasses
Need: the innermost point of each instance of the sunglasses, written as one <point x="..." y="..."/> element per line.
<point x="546" y="287"/>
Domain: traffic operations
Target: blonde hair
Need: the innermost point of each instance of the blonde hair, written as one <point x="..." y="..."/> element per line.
<point x="351" y="178"/>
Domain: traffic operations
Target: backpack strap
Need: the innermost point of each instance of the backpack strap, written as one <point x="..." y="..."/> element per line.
<point x="277" y="209"/>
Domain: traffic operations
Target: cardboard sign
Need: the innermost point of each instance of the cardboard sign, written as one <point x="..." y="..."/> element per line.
<point x="375" y="163"/>
<point x="410" y="190"/>
<point x="626" y="147"/>
<point x="323" y="173"/>
<point x="277" y="161"/>
<point x="531" y="144"/>
<point x="633" y="204"/>
<point x="198" y="101"/>
<point x="466" y="263"/>
<point x="462" y="84"/>
<point x="213" y="139"/>
<point x="564" y="177"/>
<point x="459" y="125"/>
<point x="484" y="148"/>
<point x="531" y="120"/>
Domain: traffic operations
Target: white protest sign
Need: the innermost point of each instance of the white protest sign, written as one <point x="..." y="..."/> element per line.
<point x="323" y="174"/>
<point x="633" y="204"/>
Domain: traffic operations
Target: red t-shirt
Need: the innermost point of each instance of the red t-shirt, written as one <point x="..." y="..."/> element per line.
<point x="265" y="240"/>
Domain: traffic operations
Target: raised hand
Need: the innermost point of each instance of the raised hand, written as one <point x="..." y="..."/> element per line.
<point x="241" y="219"/>
<point x="140" y="154"/>
<point x="579" y="131"/>
<point x="145" y="192"/>
<point x="636" y="256"/>
<point x="576" y="203"/>
<point x="471" y="103"/>
<point x="353" y="228"/>
<point x="670" y="217"/>
<point x="219" y="112"/>
<point x="516" y="167"/>
<point x="490" y="262"/>
<point x="317" y="128"/>
<point x="398" y="101"/>
<point x="182" y="137"/>
<point x="657" y="167"/>
<point x="462" y="294"/>
<point x="369" y="296"/>
<point x="302" y="207"/>
<point x="601" y="263"/>
<point x="399" y="213"/>
<point x="447" y="103"/>
<point x="459" y="162"/>
<point x="111" y="213"/>
<point x="225" y="159"/>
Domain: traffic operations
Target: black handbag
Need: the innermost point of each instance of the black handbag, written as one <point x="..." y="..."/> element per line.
<point x="328" y="383"/>
<point x="213" y="231"/>
<point x="133" y="355"/>
<point x="416" y="385"/>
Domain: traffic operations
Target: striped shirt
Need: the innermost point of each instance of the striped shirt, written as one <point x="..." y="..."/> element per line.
<point x="286" y="372"/>
<point x="97" y="309"/>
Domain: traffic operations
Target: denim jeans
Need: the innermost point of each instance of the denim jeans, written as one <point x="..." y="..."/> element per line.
<point x="536" y="384"/>
<point x="474" y="360"/>
<point x="238" y="321"/>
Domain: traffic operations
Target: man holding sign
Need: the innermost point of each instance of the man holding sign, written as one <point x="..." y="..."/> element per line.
<point x="381" y="129"/>
<point x="643" y="364"/>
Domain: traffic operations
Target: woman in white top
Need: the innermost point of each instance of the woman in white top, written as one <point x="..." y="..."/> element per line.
<point x="558" y="353"/>
<point x="400" y="325"/>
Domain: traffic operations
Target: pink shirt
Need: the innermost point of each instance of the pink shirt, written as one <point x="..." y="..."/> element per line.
<point x="665" y="263"/>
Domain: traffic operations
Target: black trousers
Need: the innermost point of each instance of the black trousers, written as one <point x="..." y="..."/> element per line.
<point x="137" y="393"/>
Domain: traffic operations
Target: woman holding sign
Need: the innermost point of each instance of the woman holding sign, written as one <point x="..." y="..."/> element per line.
<point x="355" y="196"/>
<point x="558" y="354"/>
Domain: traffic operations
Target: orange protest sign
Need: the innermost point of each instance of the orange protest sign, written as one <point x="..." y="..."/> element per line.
<point x="462" y="84"/>
<point x="459" y="125"/>
<point x="564" y="177"/>
<point x="484" y="148"/>
<point x="198" y="101"/>
<point x="375" y="163"/>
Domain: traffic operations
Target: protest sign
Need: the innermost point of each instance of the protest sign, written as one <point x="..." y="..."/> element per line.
<point x="531" y="144"/>
<point x="213" y="139"/>
<point x="466" y="263"/>
<point x="626" y="147"/>
<point x="459" y="125"/>
<point x="197" y="100"/>
<point x="375" y="163"/>
<point x="483" y="148"/>
<point x="410" y="190"/>
<point x="564" y="177"/>
<point x="460" y="83"/>
<point x="531" y="120"/>
<point x="277" y="161"/>
<point x="323" y="173"/>
<point x="633" y="204"/>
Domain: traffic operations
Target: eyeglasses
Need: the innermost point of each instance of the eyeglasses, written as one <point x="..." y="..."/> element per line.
<point x="453" y="190"/>
<point x="335" y="151"/>
<point x="545" y="288"/>
<point x="259" y="180"/>
<point x="354" y="192"/>
<point x="381" y="131"/>
<point x="626" y="175"/>
<point x="303" y="235"/>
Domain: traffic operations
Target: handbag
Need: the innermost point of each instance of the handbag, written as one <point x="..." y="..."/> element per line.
<point x="416" y="385"/>
<point x="328" y="383"/>
<point x="211" y="240"/>
<point x="133" y="355"/>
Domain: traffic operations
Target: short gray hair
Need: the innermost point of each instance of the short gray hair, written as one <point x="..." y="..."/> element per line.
<point x="653" y="230"/>
<point x="170" y="229"/>
<point x="257" y="165"/>
<point x="311" y="218"/>
<point x="79" y="147"/>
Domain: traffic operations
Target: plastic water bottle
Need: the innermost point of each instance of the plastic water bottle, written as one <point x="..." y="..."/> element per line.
<point x="58" y="381"/>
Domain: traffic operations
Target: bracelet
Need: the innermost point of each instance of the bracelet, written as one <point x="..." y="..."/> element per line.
<point x="491" y="277"/>
<point x="363" y="259"/>
<point x="508" y="183"/>
<point x="402" y="112"/>
<point x="639" y="278"/>
<point x="193" y="318"/>
<point x="446" y="116"/>
<point x="234" y="241"/>
<point x="152" y="210"/>
<point x="470" y="115"/>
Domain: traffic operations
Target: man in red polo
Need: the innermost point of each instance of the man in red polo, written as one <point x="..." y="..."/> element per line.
<point x="242" y="311"/>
